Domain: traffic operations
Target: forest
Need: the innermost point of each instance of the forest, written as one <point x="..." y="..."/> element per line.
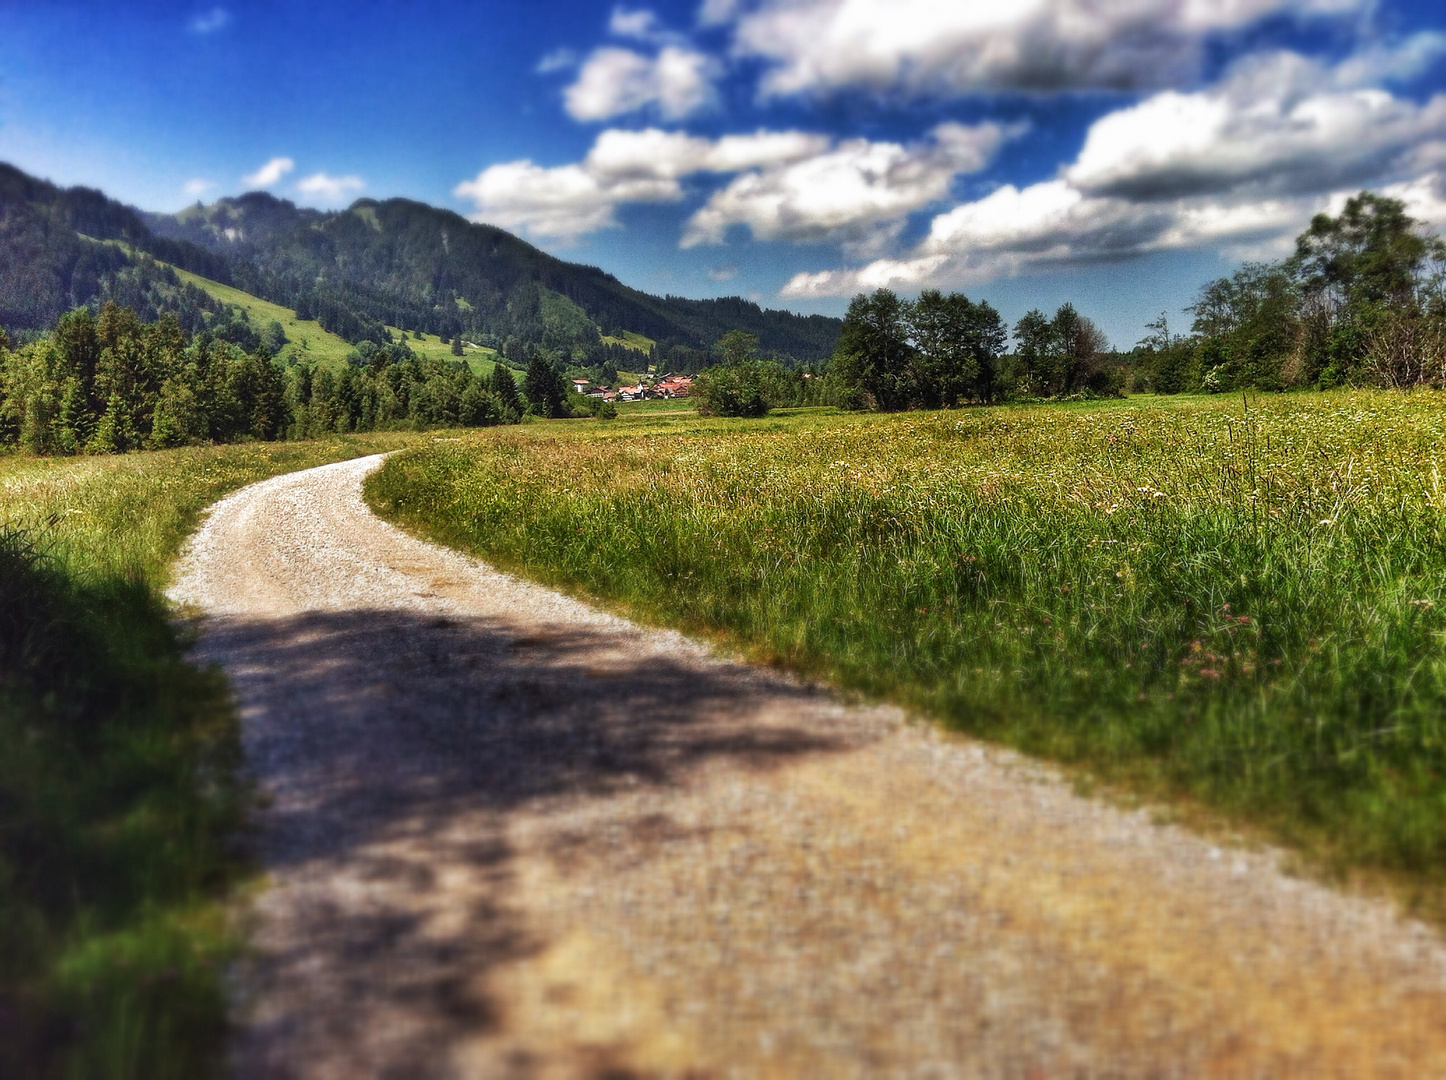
<point x="111" y="383"/>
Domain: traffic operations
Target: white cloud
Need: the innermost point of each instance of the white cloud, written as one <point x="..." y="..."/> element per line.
<point x="793" y="184"/>
<point x="559" y="203"/>
<point x="934" y="47"/>
<point x="1278" y="123"/>
<point x="269" y="173"/>
<point x="1240" y="167"/>
<point x="641" y="25"/>
<point x="670" y="154"/>
<point x="197" y="187"/>
<point x="726" y="272"/>
<point x="329" y="189"/>
<point x="679" y="81"/>
<point x="857" y="192"/>
<point x="1425" y="197"/>
<point x="209" y="22"/>
<point x="557" y="60"/>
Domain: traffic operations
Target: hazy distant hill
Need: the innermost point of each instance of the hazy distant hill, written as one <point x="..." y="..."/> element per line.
<point x="398" y="263"/>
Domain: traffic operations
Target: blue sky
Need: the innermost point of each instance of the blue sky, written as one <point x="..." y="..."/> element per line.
<point x="792" y="151"/>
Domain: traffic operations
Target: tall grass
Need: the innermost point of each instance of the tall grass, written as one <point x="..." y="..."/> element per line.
<point x="120" y="802"/>
<point x="1239" y="602"/>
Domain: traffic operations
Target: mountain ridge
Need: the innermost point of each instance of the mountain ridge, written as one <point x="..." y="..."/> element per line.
<point x="396" y="262"/>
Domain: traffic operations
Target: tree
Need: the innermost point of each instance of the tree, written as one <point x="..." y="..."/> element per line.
<point x="1080" y="344"/>
<point x="1034" y="353"/>
<point x="1248" y="326"/>
<point x="505" y="387"/>
<point x="735" y="389"/>
<point x="457" y="349"/>
<point x="873" y="355"/>
<point x="1059" y="356"/>
<point x="1368" y="256"/>
<point x="1354" y="272"/>
<point x="736" y="347"/>
<point x="546" y="392"/>
<point x="957" y="344"/>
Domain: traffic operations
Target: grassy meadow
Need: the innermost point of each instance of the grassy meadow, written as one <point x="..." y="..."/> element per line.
<point x="631" y="340"/>
<point x="118" y="764"/>
<point x="1240" y="604"/>
<point x="479" y="358"/>
<point x="307" y="341"/>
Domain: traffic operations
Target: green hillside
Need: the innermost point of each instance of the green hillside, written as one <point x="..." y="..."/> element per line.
<point x="479" y="358"/>
<point x="307" y="341"/>
<point x="629" y="340"/>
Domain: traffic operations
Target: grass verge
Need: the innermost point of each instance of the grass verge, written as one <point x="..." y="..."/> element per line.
<point x="120" y="803"/>
<point x="1242" y="605"/>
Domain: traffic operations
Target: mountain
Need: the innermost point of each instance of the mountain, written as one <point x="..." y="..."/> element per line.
<point x="393" y="263"/>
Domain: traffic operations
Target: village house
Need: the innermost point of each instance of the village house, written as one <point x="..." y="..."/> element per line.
<point x="673" y="386"/>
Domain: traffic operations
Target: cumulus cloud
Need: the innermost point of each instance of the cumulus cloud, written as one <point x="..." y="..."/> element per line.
<point x="197" y="187"/>
<point x="1278" y="123"/>
<point x="1240" y="166"/>
<point x="857" y="192"/>
<point x="209" y="22"/>
<point x="325" y="188"/>
<point x="269" y="173"/>
<point x="928" y="47"/>
<point x="567" y="201"/>
<point x="667" y="155"/>
<point x="678" y="82"/>
<point x="558" y="203"/>
<point x="792" y="184"/>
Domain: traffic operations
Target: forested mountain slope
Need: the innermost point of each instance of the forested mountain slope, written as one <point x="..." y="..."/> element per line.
<point x="398" y="263"/>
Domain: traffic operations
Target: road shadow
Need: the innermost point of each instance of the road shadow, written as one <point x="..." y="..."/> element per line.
<point x="392" y="749"/>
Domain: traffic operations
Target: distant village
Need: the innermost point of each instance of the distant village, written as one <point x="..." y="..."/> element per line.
<point x="671" y="385"/>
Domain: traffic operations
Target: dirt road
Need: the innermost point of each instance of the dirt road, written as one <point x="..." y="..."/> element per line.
<point x="509" y="836"/>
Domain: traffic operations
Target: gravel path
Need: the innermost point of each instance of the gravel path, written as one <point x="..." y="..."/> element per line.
<point x="510" y="836"/>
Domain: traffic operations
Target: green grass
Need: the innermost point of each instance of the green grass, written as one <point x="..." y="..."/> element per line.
<point x="120" y="802"/>
<point x="630" y="340"/>
<point x="655" y="405"/>
<point x="307" y="341"/>
<point x="1241" y="608"/>
<point x="479" y="358"/>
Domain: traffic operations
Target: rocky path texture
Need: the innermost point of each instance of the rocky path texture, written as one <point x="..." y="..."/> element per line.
<point x="509" y="836"/>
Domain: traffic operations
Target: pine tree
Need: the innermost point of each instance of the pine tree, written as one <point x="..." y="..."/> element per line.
<point x="545" y="390"/>
<point x="505" y="387"/>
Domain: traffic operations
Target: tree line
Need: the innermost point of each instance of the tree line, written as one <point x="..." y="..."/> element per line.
<point x="1360" y="301"/>
<point x="943" y="350"/>
<point x="109" y="382"/>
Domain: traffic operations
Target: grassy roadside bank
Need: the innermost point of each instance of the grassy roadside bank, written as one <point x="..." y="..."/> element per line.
<point x="119" y="799"/>
<point x="1240" y="605"/>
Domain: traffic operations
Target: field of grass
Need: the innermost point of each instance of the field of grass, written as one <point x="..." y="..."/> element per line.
<point x="308" y="342"/>
<point x="119" y="798"/>
<point x="654" y="405"/>
<point x="479" y="358"/>
<point x="1242" y="606"/>
<point x="630" y="340"/>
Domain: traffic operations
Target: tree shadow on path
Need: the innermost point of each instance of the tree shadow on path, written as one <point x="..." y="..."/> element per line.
<point x="393" y="749"/>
